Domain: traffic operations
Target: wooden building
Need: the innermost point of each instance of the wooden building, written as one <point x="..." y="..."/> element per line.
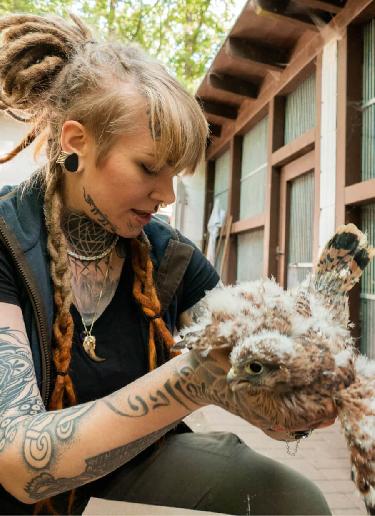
<point x="290" y="98"/>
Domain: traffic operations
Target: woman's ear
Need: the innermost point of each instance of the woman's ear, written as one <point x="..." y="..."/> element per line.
<point x="75" y="138"/>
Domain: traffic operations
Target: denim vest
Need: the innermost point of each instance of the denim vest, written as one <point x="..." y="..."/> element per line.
<point x="23" y="232"/>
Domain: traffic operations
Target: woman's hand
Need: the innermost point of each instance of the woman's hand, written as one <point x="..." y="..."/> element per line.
<point x="209" y="386"/>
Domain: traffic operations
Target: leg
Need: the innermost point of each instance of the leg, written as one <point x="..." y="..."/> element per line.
<point x="214" y="472"/>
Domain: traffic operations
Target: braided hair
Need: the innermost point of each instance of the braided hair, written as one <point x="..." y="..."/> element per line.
<point x="52" y="70"/>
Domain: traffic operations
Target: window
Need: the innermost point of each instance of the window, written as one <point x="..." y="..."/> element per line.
<point x="221" y="184"/>
<point x="254" y="170"/>
<point x="300" y="110"/>
<point x="250" y="255"/>
<point x="300" y="237"/>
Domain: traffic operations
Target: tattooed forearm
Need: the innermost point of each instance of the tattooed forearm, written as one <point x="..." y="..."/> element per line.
<point x="173" y="390"/>
<point x="19" y="395"/>
<point x="46" y="485"/>
<point x="101" y="217"/>
<point x="44" y="432"/>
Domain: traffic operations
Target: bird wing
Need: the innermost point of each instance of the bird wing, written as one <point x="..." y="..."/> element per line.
<point x="340" y="267"/>
<point x="342" y="260"/>
<point x="356" y="411"/>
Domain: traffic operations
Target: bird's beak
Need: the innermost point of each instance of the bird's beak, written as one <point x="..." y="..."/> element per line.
<point x="232" y="375"/>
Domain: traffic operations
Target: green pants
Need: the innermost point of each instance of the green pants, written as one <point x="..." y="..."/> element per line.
<point x="210" y="472"/>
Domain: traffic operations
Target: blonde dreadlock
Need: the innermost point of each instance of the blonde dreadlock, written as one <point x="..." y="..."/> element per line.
<point x="51" y="71"/>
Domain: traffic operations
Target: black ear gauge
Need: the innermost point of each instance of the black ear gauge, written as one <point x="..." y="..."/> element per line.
<point x="70" y="161"/>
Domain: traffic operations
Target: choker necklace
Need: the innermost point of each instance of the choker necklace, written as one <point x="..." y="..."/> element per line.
<point x="89" y="341"/>
<point x="97" y="256"/>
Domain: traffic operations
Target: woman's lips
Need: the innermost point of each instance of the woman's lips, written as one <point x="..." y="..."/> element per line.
<point x="143" y="217"/>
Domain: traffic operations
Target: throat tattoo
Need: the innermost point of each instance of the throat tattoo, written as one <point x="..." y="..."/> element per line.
<point x="85" y="236"/>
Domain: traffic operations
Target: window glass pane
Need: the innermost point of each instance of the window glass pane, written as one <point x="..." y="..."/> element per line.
<point x="300" y="110"/>
<point x="300" y="239"/>
<point x="368" y="106"/>
<point x="254" y="148"/>
<point x="253" y="170"/>
<point x="221" y="184"/>
<point x="367" y="307"/>
<point x="250" y="255"/>
<point x="253" y="191"/>
<point x="222" y="169"/>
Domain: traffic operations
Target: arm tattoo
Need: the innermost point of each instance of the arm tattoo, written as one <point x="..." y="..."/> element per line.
<point x="46" y="485"/>
<point x="46" y="429"/>
<point x="19" y="395"/>
<point x="101" y="217"/>
<point x="139" y="406"/>
<point x="20" y="399"/>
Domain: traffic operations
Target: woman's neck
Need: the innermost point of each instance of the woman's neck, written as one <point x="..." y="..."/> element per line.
<point x="85" y="237"/>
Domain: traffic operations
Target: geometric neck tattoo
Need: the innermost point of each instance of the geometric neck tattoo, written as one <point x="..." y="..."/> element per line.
<point x="85" y="237"/>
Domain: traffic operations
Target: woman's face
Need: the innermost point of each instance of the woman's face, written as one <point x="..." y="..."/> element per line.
<point x="123" y="192"/>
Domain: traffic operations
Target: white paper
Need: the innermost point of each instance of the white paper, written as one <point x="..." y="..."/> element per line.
<point x="98" y="506"/>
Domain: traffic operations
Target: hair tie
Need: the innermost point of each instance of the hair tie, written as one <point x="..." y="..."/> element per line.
<point x="61" y="373"/>
<point x="153" y="317"/>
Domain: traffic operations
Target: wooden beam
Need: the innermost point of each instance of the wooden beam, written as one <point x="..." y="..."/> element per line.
<point x="354" y="113"/>
<point x="234" y="204"/>
<point x="248" y="224"/>
<point x="299" y="166"/>
<point x="282" y="11"/>
<point x="318" y="111"/>
<point x="294" y="149"/>
<point x="209" y="199"/>
<point x="215" y="129"/>
<point x="276" y="117"/>
<point x="320" y="5"/>
<point x="276" y="125"/>
<point x="219" y="109"/>
<point x="233" y="85"/>
<point x="268" y="56"/>
<point x="360" y="193"/>
<point x="300" y="62"/>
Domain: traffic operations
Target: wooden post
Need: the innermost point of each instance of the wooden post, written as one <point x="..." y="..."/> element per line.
<point x="276" y="116"/>
<point x="318" y="101"/>
<point x="230" y="270"/>
<point x="209" y="199"/>
<point x="352" y="143"/>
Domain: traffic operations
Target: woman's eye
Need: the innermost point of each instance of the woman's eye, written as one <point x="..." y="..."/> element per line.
<point x="254" y="368"/>
<point x="148" y="170"/>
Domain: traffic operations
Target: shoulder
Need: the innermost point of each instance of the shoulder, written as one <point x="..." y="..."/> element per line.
<point x="159" y="234"/>
<point x="21" y="212"/>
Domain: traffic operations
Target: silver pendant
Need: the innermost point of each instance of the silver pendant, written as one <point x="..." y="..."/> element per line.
<point x="89" y="344"/>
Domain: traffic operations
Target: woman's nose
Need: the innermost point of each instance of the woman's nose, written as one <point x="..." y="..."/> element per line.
<point x="164" y="192"/>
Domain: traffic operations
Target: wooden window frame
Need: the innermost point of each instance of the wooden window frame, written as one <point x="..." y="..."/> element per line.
<point x="278" y="155"/>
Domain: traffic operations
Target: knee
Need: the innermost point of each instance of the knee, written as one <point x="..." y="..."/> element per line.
<point x="254" y="484"/>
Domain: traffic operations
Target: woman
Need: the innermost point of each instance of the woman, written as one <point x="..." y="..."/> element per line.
<point x="85" y="323"/>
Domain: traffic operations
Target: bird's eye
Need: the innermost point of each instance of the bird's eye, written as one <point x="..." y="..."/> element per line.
<point x="254" y="368"/>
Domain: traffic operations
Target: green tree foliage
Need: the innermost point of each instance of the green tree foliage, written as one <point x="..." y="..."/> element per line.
<point x="184" y="34"/>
